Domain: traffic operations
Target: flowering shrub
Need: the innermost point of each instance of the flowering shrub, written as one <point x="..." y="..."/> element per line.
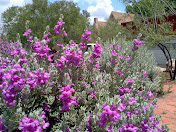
<point x="107" y="89"/>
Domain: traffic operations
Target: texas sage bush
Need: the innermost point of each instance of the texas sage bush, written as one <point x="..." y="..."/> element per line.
<point x="76" y="90"/>
<point x="142" y="63"/>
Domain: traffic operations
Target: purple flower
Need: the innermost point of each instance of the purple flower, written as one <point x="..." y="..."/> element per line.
<point x="130" y="80"/>
<point x="93" y="95"/>
<point x="114" y="53"/>
<point x="145" y="73"/>
<point x="60" y="44"/>
<point x="65" y="97"/>
<point x="46" y="107"/>
<point x="112" y="46"/>
<point x="85" y="36"/>
<point x="13" y="83"/>
<point x="96" y="51"/>
<point x="61" y="62"/>
<point x="137" y="43"/>
<point x="28" y="124"/>
<point x="45" y="36"/>
<point x="94" y="81"/>
<point x="118" y="47"/>
<point x="131" y="100"/>
<point x="149" y="94"/>
<point x="128" y="127"/>
<point x="89" y="123"/>
<point x="40" y="49"/>
<point x="120" y="73"/>
<point x="96" y="66"/>
<point x="57" y="27"/>
<point x="120" y="56"/>
<point x="2" y="127"/>
<point x="130" y="113"/>
<point x="109" y="114"/>
<point x="154" y="104"/>
<point x="84" y="39"/>
<point x="121" y="106"/>
<point x="85" y="84"/>
<point x="145" y="107"/>
<point x="73" y="57"/>
<point x="118" y="70"/>
<point x="27" y="33"/>
<point x="44" y="125"/>
<point x="136" y="111"/>
<point x="64" y="33"/>
<point x="42" y="77"/>
<point x="109" y="129"/>
<point x="30" y="39"/>
<point x="127" y="57"/>
<point x="138" y="72"/>
<point x="139" y="93"/>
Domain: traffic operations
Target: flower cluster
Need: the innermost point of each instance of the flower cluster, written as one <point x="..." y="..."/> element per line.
<point x="18" y="51"/>
<point x="71" y="57"/>
<point x="84" y="39"/>
<point x="114" y="48"/>
<point x="41" y="77"/>
<point x="154" y="125"/>
<point x="110" y="114"/>
<point x="115" y="57"/>
<point x="4" y="62"/>
<point x="4" y="47"/>
<point x="137" y="43"/>
<point x="66" y="98"/>
<point x="45" y="36"/>
<point x="89" y="123"/>
<point x="27" y="34"/>
<point x="37" y="77"/>
<point x="46" y="107"/>
<point x="28" y="124"/>
<point x="128" y="127"/>
<point x="2" y="127"/>
<point x="40" y="49"/>
<point x="57" y="28"/>
<point x="14" y="82"/>
<point x="96" y="51"/>
<point x="61" y="62"/>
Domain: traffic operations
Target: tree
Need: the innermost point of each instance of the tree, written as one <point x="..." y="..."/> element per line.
<point x="150" y="18"/>
<point x="42" y="13"/>
<point x="147" y="7"/>
<point x="111" y="29"/>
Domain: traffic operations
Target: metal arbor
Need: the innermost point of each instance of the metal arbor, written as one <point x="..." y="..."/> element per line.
<point x="169" y="60"/>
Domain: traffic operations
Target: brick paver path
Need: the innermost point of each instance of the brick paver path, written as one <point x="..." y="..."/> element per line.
<point x="167" y="107"/>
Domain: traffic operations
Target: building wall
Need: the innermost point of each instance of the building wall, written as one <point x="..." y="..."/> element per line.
<point x="159" y="55"/>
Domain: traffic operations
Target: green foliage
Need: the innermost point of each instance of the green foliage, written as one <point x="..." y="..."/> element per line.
<point x="149" y="19"/>
<point x="141" y="59"/>
<point x="41" y="13"/>
<point x="111" y="29"/>
<point x="146" y="7"/>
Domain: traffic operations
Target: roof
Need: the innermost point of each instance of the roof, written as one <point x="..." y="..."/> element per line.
<point x="123" y="17"/>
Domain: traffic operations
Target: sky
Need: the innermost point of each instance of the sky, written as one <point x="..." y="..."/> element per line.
<point x="97" y="8"/>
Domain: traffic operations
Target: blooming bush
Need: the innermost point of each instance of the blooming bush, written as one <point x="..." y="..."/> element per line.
<point x="107" y="89"/>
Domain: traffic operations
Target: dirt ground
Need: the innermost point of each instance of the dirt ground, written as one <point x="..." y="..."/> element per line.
<point x="167" y="105"/>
